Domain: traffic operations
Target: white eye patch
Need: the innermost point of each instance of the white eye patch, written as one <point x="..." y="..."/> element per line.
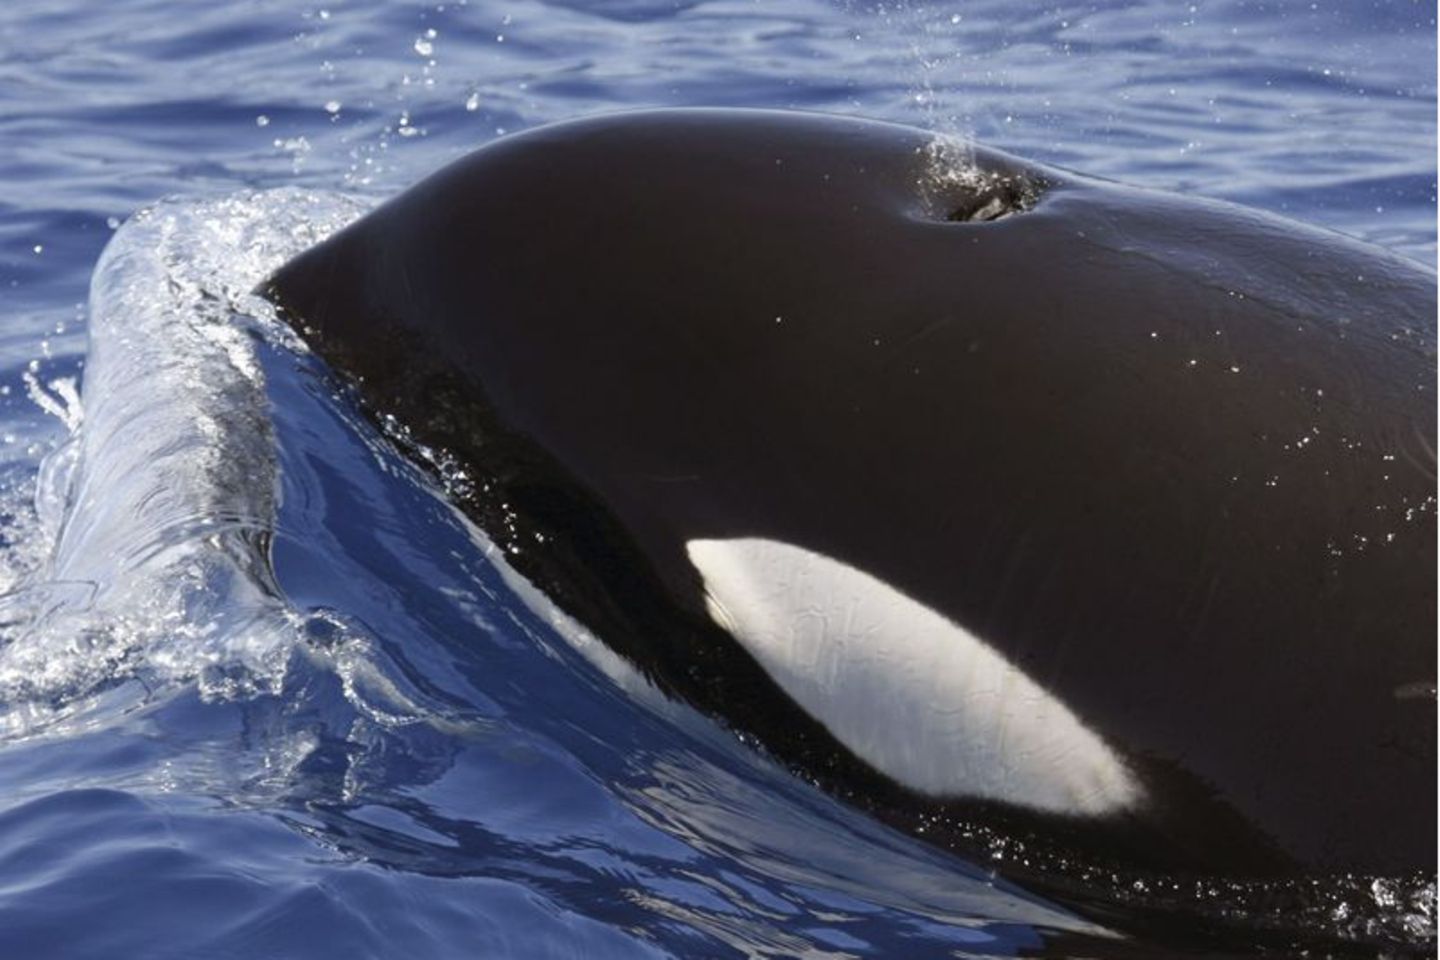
<point x="910" y="693"/>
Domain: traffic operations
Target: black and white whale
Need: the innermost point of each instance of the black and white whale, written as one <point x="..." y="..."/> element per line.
<point x="976" y="491"/>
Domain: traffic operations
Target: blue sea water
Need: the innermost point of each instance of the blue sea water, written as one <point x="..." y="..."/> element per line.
<point x="264" y="694"/>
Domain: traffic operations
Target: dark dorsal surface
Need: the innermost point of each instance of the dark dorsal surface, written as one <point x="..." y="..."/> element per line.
<point x="1170" y="461"/>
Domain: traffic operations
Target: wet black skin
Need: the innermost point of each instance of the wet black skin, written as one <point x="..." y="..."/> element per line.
<point x="1172" y="457"/>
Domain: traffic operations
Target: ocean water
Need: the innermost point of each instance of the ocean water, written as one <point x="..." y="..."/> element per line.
<point x="263" y="693"/>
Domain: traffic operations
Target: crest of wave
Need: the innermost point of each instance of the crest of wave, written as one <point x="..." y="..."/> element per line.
<point x="155" y="515"/>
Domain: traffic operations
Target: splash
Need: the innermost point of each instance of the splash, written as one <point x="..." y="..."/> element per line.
<point x="152" y="520"/>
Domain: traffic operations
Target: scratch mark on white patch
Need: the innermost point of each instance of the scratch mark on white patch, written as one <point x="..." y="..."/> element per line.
<point x="917" y="697"/>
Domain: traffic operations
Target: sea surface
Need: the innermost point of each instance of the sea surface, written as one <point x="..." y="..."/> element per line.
<point x="264" y="694"/>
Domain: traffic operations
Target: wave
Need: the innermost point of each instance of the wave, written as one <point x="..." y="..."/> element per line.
<point x="152" y="520"/>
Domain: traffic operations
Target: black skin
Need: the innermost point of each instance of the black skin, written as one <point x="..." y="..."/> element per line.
<point x="1173" y="458"/>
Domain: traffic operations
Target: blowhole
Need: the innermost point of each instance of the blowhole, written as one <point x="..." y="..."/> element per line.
<point x="956" y="188"/>
<point x="995" y="198"/>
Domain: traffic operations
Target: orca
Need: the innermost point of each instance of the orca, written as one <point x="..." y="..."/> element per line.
<point x="998" y="500"/>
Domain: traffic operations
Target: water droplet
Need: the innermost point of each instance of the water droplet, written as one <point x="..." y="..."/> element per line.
<point x="472" y="102"/>
<point x="262" y="121"/>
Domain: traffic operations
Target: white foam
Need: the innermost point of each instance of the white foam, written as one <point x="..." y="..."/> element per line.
<point x="912" y="694"/>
